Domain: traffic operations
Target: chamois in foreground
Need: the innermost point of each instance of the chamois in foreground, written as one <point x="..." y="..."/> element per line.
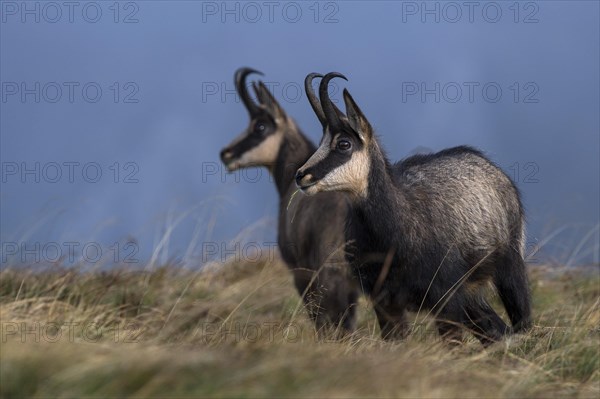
<point x="447" y="223"/>
<point x="310" y="230"/>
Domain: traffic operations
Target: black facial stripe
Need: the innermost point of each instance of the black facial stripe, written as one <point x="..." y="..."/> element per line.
<point x="248" y="143"/>
<point x="335" y="158"/>
<point x="253" y="139"/>
<point x="326" y="165"/>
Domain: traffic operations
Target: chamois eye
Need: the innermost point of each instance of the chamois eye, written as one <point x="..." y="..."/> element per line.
<point x="260" y="128"/>
<point x="344" y="145"/>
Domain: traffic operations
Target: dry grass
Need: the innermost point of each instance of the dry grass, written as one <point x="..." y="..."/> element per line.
<point x="239" y="330"/>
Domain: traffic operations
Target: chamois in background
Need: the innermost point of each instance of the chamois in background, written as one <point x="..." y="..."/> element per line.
<point x="310" y="229"/>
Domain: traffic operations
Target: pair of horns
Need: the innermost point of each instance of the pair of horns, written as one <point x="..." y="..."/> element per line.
<point x="240" y="85"/>
<point x="326" y="111"/>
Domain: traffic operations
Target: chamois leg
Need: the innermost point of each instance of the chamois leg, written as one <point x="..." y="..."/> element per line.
<point x="339" y="298"/>
<point x="511" y="281"/>
<point x="449" y="326"/>
<point x="348" y="301"/>
<point x="330" y="300"/>
<point x="485" y="323"/>
<point x="392" y="323"/>
<point x="452" y="319"/>
<point x="391" y="317"/>
<point x="447" y="306"/>
<point x="307" y="286"/>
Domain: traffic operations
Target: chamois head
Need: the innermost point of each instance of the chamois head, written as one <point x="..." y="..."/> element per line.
<point x="259" y="143"/>
<point x="342" y="161"/>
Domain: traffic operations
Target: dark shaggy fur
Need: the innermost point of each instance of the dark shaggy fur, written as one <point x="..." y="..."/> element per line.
<point x="311" y="240"/>
<point x="454" y="221"/>
<point x="430" y="231"/>
<point x="311" y="229"/>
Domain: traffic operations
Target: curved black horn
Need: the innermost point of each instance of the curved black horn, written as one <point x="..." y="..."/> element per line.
<point x="240" y="86"/>
<point x="329" y="109"/>
<point x="312" y="98"/>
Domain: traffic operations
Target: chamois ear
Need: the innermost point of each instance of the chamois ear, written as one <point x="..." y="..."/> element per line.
<point x="356" y="119"/>
<point x="268" y="101"/>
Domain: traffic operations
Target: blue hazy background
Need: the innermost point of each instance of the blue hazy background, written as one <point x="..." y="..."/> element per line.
<point x="171" y="63"/>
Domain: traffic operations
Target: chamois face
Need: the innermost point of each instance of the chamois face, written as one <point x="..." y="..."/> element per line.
<point x="342" y="162"/>
<point x="258" y="144"/>
<point x="339" y="164"/>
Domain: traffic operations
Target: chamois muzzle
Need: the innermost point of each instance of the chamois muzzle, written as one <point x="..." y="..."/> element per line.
<point x="303" y="180"/>
<point x="228" y="157"/>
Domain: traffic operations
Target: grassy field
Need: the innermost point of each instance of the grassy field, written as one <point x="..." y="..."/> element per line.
<point x="239" y="330"/>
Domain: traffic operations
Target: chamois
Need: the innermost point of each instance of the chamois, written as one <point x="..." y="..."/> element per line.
<point x="310" y="230"/>
<point x="447" y="223"/>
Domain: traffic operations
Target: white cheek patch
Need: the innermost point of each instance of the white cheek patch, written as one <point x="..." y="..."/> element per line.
<point x="351" y="176"/>
<point x="263" y="154"/>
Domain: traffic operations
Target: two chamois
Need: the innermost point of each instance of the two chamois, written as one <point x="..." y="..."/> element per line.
<point x="311" y="229"/>
<point x="442" y="224"/>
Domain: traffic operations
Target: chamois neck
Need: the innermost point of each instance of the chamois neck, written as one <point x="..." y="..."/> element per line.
<point x="383" y="206"/>
<point x="294" y="151"/>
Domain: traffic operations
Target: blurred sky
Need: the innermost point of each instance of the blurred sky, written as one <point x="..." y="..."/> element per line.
<point x="165" y="69"/>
